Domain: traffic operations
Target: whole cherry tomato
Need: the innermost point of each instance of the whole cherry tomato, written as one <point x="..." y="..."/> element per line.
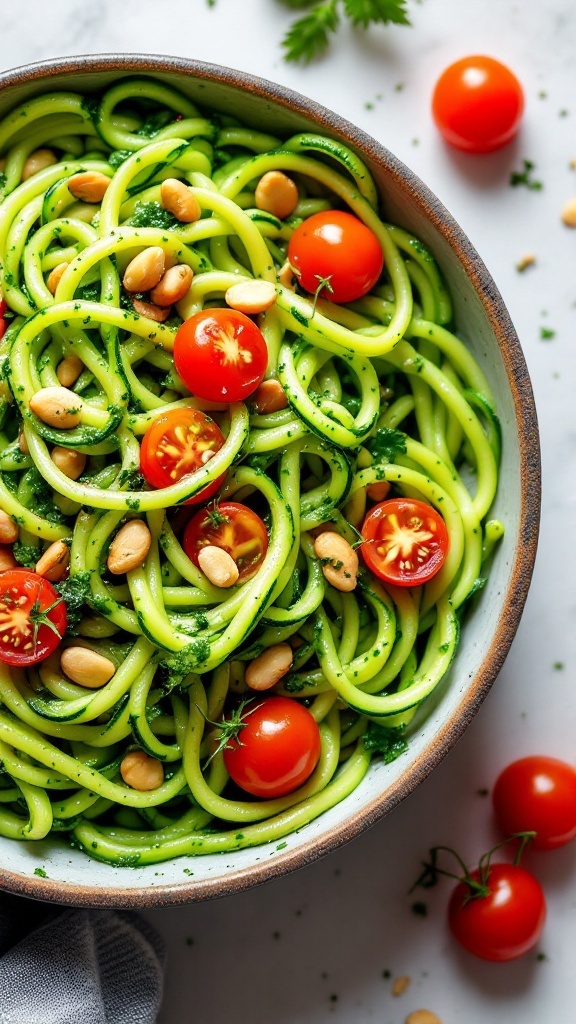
<point x="478" y="104"/>
<point x="220" y="354"/>
<point x="405" y="541"/>
<point x="233" y="527"/>
<point x="537" y="794"/>
<point x="32" y="617"/>
<point x="337" y="248"/>
<point x="503" y="923"/>
<point x="180" y="442"/>
<point x="276" y="749"/>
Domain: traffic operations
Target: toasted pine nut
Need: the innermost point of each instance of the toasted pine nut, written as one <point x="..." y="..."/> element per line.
<point x="378" y="491"/>
<point x="173" y="286"/>
<point x="277" y="194"/>
<point x="251" y="296"/>
<point x="218" y="566"/>
<point x="23" y="443"/>
<point x="57" y="407"/>
<point x="179" y="200"/>
<point x="69" y="461"/>
<point x="145" y="270"/>
<point x="141" y="772"/>
<point x="400" y="984"/>
<point x="269" y="397"/>
<point x="569" y="213"/>
<point x="68" y="370"/>
<point x="157" y="313"/>
<point x="269" y="667"/>
<point x="129" y="547"/>
<point x="7" y="560"/>
<point x="38" y="161"/>
<point x="89" y="186"/>
<point x="339" y="560"/>
<point x="422" y="1017"/>
<point x="528" y="260"/>
<point x="8" y="529"/>
<point x="86" y="667"/>
<point x="286" y="276"/>
<point x="53" y="563"/>
<point x="54" y="277"/>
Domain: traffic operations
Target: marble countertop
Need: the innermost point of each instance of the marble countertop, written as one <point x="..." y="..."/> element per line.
<point x="327" y="942"/>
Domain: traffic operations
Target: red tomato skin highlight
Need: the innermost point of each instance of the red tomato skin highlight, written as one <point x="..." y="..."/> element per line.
<point x="537" y="794"/>
<point x="336" y="245"/>
<point x="503" y="925"/>
<point x="276" y="751"/>
<point x="477" y="104"/>
<point x="155" y="471"/>
<point x="374" y="531"/>
<point x="220" y="354"/>
<point x="245" y="525"/>
<point x="25" y="583"/>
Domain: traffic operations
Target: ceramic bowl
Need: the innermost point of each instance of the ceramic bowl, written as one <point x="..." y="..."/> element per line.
<point x="482" y="320"/>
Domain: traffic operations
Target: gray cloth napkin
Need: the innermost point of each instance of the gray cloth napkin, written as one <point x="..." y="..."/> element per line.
<point x="77" y="966"/>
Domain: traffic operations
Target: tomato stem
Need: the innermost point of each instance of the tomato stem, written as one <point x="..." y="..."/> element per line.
<point x="476" y="888"/>
<point x="231" y="727"/>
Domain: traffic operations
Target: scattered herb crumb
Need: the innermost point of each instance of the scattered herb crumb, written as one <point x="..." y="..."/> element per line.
<point x="333" y="998"/>
<point x="386" y="974"/>
<point x="415" y="142"/>
<point x="541" y="957"/>
<point x="324" y="975"/>
<point x="187" y="871"/>
<point x="399" y="87"/>
<point x="189" y="941"/>
<point x="368" y="106"/>
<point x="524" y="177"/>
<point x="542" y="95"/>
<point x="563" y="113"/>
<point x="40" y="872"/>
<point x="546" y="334"/>
<point x="482" y="792"/>
<point x="420" y="908"/>
<point x="275" y="935"/>
<point x="558" y="665"/>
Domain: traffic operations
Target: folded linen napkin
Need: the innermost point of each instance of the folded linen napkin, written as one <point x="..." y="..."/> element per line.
<point x="64" y="966"/>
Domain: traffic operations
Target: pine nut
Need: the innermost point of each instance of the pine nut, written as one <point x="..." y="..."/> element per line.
<point x="148" y="309"/>
<point x="145" y="270"/>
<point x="400" y="984"/>
<point x="251" y="296"/>
<point x="129" y="548"/>
<point x="173" y="286"/>
<point x="180" y="201"/>
<point x="68" y="370"/>
<point x="269" y="397"/>
<point x="8" y="529"/>
<point x="38" y="161"/>
<point x="89" y="186"/>
<point x="277" y="194"/>
<point x="57" y="407"/>
<point x="268" y="668"/>
<point x="339" y="560"/>
<point x="69" y="461"/>
<point x="218" y="566"/>
<point x="141" y="772"/>
<point x="86" y="667"/>
<point x="378" y="491"/>
<point x="53" y="563"/>
<point x="23" y="443"/>
<point x="422" y="1017"/>
<point x="286" y="276"/>
<point x="55" y="276"/>
<point x="7" y="560"/>
<point x="569" y="213"/>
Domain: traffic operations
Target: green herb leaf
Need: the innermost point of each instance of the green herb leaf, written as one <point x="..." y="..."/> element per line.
<point x="389" y="743"/>
<point x="386" y="444"/>
<point x="308" y="36"/>
<point x="364" y="12"/>
<point x="524" y="177"/>
<point x="297" y="5"/>
<point x="74" y="592"/>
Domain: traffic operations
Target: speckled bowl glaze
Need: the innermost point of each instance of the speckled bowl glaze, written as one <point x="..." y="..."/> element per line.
<point x="482" y="320"/>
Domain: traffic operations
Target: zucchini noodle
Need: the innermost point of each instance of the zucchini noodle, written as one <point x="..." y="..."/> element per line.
<point x="379" y="391"/>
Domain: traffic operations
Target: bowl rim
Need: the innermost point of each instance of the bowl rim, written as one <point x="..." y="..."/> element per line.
<point x="529" y="452"/>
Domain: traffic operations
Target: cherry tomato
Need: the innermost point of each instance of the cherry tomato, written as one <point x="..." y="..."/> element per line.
<point x="276" y="750"/>
<point x="478" y="104"/>
<point x="231" y="526"/>
<point x="220" y="354"/>
<point x="336" y="247"/>
<point x="505" y="923"/>
<point x="537" y="794"/>
<point x="3" y="326"/>
<point x="32" y="617"/>
<point x="3" y="305"/>
<point x="178" y="443"/>
<point x="405" y="541"/>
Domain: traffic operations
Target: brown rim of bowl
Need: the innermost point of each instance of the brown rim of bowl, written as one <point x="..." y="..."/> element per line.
<point x="519" y="381"/>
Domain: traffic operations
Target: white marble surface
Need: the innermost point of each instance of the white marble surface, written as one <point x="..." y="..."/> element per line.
<point x="313" y="946"/>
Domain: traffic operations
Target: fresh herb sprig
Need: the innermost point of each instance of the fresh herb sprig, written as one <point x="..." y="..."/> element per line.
<point x="309" y="36"/>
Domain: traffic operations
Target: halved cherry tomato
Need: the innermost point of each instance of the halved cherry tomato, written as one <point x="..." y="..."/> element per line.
<point x="233" y="527"/>
<point x="537" y="794"/>
<point x="3" y="305"/>
<point x="504" y="923"/>
<point x="405" y="541"/>
<point x="220" y="354"/>
<point x="336" y="247"/>
<point x="478" y="104"/>
<point x="277" y="747"/>
<point x="32" y="617"/>
<point x="3" y="326"/>
<point x="178" y="443"/>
